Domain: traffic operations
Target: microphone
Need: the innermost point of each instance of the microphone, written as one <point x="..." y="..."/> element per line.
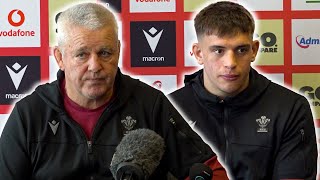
<point x="137" y="155"/>
<point x="200" y="171"/>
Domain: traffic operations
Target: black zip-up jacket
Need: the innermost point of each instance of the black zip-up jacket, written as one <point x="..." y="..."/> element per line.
<point x="30" y="150"/>
<point x="265" y="132"/>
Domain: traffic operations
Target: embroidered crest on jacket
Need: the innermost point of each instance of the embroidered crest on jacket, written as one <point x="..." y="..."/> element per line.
<point x="263" y="123"/>
<point x="128" y="123"/>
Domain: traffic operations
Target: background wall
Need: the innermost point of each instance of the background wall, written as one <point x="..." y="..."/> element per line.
<point x="156" y="39"/>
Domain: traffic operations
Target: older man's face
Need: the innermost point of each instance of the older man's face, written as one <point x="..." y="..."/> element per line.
<point x="90" y="62"/>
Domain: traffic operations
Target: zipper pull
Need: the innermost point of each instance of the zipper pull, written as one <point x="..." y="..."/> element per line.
<point x="302" y="134"/>
<point x="89" y="143"/>
<point x="172" y="121"/>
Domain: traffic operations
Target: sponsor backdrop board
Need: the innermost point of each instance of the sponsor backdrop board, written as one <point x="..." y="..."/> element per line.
<point x="157" y="37"/>
<point x="18" y="75"/>
<point x="305" y="41"/>
<point x="270" y="35"/>
<point x="165" y="83"/>
<point x="20" y="23"/>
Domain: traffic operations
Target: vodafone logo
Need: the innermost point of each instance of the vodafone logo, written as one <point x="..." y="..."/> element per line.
<point x="12" y="20"/>
<point x="16" y="18"/>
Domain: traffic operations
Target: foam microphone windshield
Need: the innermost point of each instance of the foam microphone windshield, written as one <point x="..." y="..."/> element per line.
<point x="137" y="155"/>
<point x="200" y="171"/>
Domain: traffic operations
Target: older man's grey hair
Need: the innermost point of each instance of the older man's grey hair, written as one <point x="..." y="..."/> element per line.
<point x="88" y="15"/>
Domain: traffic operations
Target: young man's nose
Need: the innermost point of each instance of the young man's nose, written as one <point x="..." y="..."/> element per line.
<point x="230" y="60"/>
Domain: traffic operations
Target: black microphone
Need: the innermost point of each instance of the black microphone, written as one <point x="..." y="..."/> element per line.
<point x="137" y="155"/>
<point x="200" y="171"/>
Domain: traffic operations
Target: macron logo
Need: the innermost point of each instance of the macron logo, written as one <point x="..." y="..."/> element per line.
<point x="54" y="126"/>
<point x="16" y="74"/>
<point x="153" y="36"/>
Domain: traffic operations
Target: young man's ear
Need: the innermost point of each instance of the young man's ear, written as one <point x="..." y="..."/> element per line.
<point x="197" y="52"/>
<point x="58" y="56"/>
<point x="255" y="49"/>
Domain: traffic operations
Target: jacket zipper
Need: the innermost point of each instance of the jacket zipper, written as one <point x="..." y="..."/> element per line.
<point x="173" y="122"/>
<point x="225" y="118"/>
<point x="89" y="143"/>
<point x="302" y="134"/>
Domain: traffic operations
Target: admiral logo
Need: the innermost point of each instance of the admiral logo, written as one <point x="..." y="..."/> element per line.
<point x="153" y="44"/>
<point x="18" y="74"/>
<point x="268" y="40"/>
<point x="16" y="18"/>
<point x="305" y="43"/>
<point x="312" y="94"/>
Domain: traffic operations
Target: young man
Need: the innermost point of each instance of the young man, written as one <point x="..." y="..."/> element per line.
<point x="260" y="130"/>
<point x="69" y="129"/>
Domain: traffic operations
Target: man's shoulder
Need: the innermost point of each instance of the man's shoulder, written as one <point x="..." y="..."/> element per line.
<point x="181" y="93"/>
<point x="184" y="99"/>
<point x="284" y="92"/>
<point x="38" y="96"/>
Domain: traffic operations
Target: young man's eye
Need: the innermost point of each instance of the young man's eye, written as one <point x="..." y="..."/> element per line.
<point x="218" y="51"/>
<point x="242" y="50"/>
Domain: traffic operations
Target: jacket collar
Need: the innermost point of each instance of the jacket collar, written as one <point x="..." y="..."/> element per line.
<point x="257" y="85"/>
<point x="51" y="94"/>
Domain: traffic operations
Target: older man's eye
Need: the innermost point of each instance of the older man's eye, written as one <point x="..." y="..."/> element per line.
<point x="81" y="55"/>
<point x="104" y="53"/>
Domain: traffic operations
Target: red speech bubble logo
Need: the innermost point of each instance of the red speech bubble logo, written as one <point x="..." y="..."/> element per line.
<point x="22" y="18"/>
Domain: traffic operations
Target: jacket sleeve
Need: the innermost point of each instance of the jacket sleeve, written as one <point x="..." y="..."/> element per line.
<point x="14" y="159"/>
<point x="297" y="157"/>
<point x="183" y="146"/>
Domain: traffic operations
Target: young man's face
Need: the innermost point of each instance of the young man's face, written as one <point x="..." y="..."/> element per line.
<point x="226" y="61"/>
<point x="90" y="61"/>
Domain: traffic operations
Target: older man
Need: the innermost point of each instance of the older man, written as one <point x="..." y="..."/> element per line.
<point x="69" y="129"/>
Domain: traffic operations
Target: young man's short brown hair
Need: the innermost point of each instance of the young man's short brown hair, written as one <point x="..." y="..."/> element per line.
<point x="224" y="18"/>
